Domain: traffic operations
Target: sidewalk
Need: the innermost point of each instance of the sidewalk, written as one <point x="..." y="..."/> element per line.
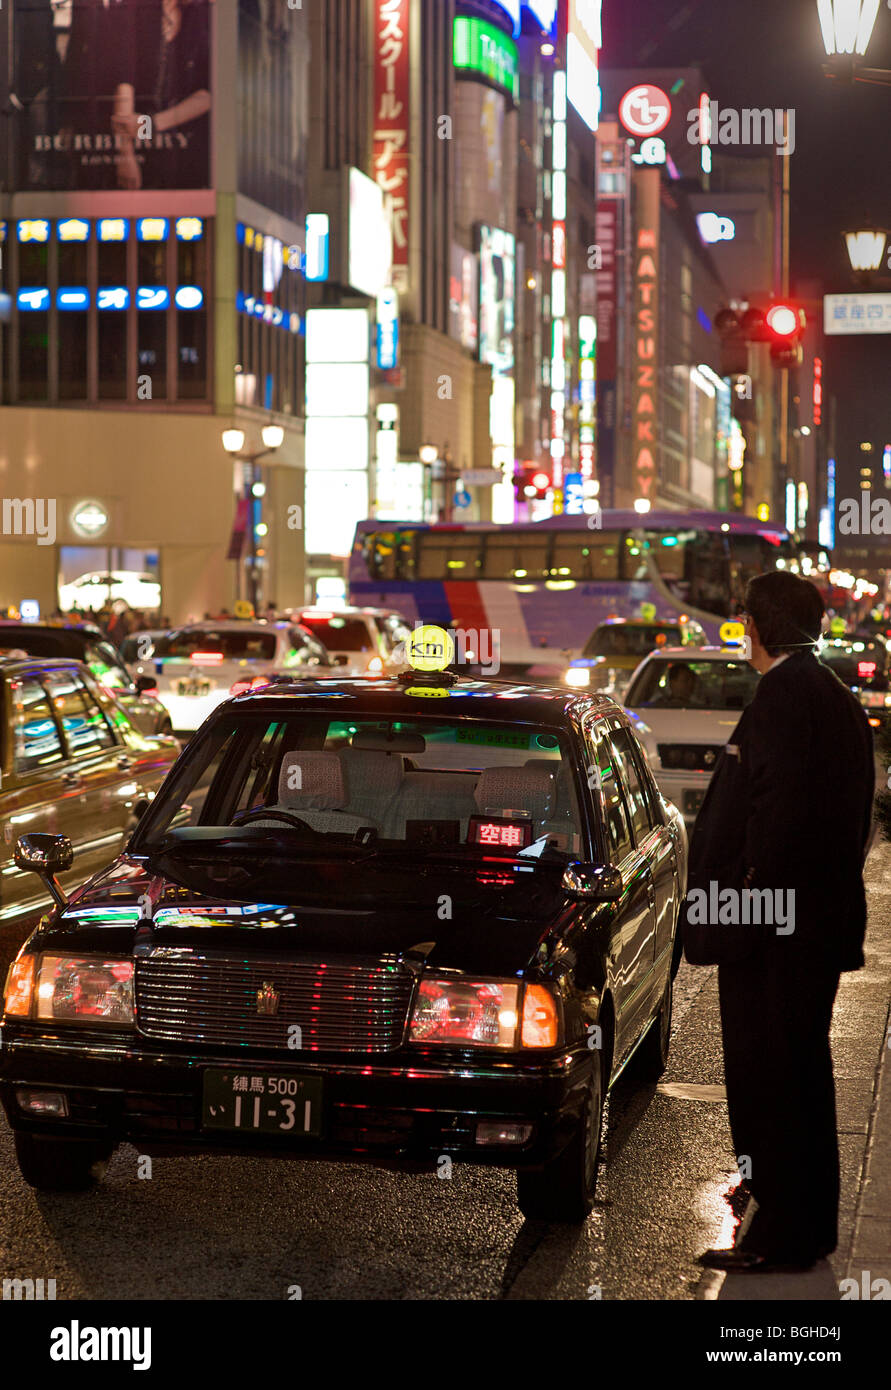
<point x="862" y="1063"/>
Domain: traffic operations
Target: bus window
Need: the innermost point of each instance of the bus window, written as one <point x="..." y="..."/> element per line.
<point x="515" y="555"/>
<point x="709" y="575"/>
<point x="590" y="555"/>
<point x="669" y="550"/>
<point x="380" y="554"/>
<point x="390" y="554"/>
<point x="448" y="555"/>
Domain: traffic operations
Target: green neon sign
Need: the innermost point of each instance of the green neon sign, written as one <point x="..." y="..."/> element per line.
<point x="480" y="47"/>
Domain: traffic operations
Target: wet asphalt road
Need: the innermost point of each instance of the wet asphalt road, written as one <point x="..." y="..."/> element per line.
<point x="228" y="1228"/>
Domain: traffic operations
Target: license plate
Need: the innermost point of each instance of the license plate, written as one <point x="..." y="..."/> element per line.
<point x="693" y="799"/>
<point x="193" y="687"/>
<point x="262" y="1102"/>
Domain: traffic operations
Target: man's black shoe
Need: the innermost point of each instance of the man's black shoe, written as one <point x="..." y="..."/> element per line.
<point x="747" y="1262"/>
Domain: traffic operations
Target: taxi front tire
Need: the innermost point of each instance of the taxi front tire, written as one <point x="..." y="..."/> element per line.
<point x="565" y="1188"/>
<point x="60" y="1165"/>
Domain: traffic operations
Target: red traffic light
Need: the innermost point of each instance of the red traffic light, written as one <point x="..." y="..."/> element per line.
<point x="784" y="321"/>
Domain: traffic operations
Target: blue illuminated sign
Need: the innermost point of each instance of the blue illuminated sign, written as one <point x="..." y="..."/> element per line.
<point x="113" y="297"/>
<point x="152" y="297"/>
<point x="387" y="337"/>
<point x="573" y="494"/>
<point x="152" y="228"/>
<point x="30" y="301"/>
<point x="188" y="297"/>
<point x="545" y="12"/>
<point x="512" y="8"/>
<point x="114" y="229"/>
<point x="189" y="228"/>
<point x="71" y="298"/>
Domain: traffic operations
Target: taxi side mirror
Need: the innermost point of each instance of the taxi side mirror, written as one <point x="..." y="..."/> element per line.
<point x="46" y="856"/>
<point x="595" y="882"/>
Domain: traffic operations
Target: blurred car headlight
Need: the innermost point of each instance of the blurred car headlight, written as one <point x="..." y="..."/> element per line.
<point x="484" y="1013"/>
<point x="578" y="676"/>
<point x="85" y="989"/>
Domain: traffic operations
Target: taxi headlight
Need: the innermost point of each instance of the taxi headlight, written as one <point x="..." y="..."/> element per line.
<point x="483" y="1014"/>
<point x="578" y="675"/>
<point x="85" y="989"/>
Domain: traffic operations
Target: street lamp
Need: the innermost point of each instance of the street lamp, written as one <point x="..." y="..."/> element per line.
<point x="847" y="26"/>
<point x="254" y="490"/>
<point x="866" y="249"/>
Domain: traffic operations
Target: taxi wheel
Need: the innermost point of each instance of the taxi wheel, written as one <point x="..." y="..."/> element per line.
<point x="60" y="1165"/>
<point x="651" y="1058"/>
<point x="564" y="1189"/>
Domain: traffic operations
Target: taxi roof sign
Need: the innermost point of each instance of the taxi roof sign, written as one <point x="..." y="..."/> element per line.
<point x="429" y="648"/>
<point x="731" y="633"/>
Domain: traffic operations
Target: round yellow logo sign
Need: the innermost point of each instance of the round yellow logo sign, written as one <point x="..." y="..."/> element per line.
<point x="429" y="648"/>
<point x="732" y="632"/>
<point x="243" y="609"/>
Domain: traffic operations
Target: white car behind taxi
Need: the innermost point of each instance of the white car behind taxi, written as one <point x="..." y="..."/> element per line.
<point x="688" y="702"/>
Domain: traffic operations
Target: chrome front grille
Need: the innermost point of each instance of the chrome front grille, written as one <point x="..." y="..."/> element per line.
<point x="227" y="1000"/>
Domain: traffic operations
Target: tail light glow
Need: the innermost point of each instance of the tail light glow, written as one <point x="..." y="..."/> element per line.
<point x="206" y="658"/>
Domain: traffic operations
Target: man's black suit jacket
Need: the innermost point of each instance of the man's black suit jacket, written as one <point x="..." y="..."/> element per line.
<point x="790" y="807"/>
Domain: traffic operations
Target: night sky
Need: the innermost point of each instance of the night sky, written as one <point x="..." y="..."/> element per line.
<point x="759" y="53"/>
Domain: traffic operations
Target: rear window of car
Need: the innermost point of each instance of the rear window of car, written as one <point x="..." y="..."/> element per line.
<point x="626" y="639"/>
<point x="427" y="782"/>
<point x="681" y="684"/>
<point x="340" y="634"/>
<point x="232" y="646"/>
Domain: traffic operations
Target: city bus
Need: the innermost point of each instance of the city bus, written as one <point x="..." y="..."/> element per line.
<point x="544" y="586"/>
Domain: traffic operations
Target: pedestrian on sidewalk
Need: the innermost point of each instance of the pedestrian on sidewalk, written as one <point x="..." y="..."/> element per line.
<point x="787" y="816"/>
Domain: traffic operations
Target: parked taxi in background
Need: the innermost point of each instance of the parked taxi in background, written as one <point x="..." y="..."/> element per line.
<point x="198" y="666"/>
<point x="87" y="643"/>
<point x="72" y="765"/>
<point x="688" y="701"/>
<point x="616" y="647"/>
<point x="360" y="641"/>
<point x="382" y="920"/>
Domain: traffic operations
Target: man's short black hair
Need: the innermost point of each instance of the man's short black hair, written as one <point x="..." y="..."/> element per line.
<point x="787" y="611"/>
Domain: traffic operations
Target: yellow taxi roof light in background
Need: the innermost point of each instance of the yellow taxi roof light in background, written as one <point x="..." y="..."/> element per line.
<point x="429" y="648"/>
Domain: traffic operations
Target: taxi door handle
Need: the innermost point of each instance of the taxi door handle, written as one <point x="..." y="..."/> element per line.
<point x="651" y="895"/>
<point x="72" y="779"/>
<point x="124" y="762"/>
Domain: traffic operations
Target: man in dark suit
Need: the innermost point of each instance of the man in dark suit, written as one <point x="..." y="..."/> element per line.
<point x="788" y="811"/>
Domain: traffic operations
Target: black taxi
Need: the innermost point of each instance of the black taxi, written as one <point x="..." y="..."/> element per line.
<point x="378" y="920"/>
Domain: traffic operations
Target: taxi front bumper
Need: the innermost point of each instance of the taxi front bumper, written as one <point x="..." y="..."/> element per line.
<point x="400" y="1108"/>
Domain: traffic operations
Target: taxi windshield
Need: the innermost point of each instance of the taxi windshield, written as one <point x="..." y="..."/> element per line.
<point x="631" y="639"/>
<point x="682" y="684"/>
<point x="434" y="783"/>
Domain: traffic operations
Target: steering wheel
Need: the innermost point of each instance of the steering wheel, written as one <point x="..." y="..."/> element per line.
<point x="262" y="812"/>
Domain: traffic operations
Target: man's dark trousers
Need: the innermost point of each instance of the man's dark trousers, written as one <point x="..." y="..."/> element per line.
<point x="776" y="1009"/>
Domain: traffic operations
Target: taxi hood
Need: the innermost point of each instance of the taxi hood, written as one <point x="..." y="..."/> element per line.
<point x="488" y="917"/>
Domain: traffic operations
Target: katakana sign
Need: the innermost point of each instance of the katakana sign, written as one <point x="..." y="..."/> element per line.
<point x="391" y="123"/>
